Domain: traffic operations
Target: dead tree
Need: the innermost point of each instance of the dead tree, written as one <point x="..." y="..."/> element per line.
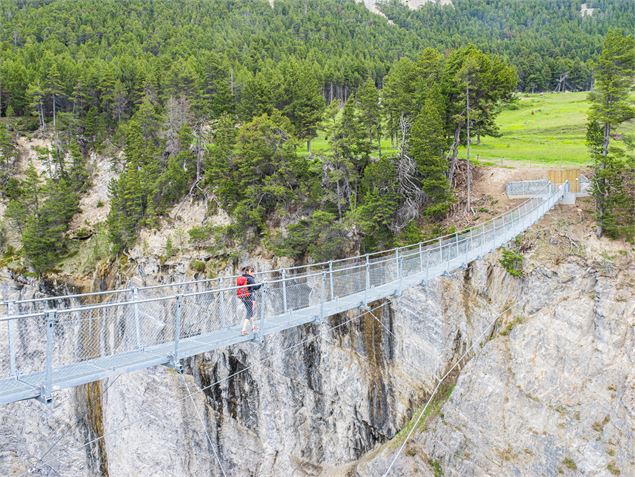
<point x="409" y="182"/>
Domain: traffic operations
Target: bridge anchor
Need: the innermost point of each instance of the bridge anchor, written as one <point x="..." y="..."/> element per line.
<point x="45" y="397"/>
<point x="174" y="364"/>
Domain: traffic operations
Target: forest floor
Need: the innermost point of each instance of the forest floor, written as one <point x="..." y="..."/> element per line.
<point x="546" y="129"/>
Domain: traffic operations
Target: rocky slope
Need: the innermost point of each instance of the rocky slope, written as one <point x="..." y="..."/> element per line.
<point x="554" y="391"/>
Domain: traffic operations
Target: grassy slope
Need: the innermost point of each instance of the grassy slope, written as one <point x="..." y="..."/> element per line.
<point x="545" y="129"/>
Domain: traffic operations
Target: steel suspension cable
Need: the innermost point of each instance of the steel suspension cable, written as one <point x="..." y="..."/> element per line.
<point x="421" y="414"/>
<point x="251" y="366"/>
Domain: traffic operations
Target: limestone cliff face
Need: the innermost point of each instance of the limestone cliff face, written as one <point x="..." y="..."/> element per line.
<point x="551" y="389"/>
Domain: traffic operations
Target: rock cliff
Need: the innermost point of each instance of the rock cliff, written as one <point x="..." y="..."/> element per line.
<point x="550" y="389"/>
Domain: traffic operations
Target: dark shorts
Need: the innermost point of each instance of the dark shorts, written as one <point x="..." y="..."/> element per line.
<point x="249" y="306"/>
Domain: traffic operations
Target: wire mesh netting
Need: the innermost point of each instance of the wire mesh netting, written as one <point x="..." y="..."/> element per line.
<point x="527" y="188"/>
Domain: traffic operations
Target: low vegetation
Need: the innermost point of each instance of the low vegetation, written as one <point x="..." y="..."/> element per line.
<point x="569" y="463"/>
<point x="512" y="261"/>
<point x="510" y="326"/>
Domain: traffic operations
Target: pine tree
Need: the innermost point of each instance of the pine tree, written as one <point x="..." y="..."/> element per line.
<point x="427" y="146"/>
<point x="370" y="110"/>
<point x="8" y="156"/>
<point x="610" y="107"/>
<point x="305" y="103"/>
<point x="54" y="89"/>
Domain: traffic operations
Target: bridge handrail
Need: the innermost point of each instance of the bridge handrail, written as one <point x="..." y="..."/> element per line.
<point x="430" y="245"/>
<point x="331" y="264"/>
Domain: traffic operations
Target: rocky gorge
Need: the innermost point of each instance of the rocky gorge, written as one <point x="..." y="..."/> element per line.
<point x="546" y="385"/>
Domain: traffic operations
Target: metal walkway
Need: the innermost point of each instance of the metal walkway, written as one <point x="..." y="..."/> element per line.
<point x="52" y="343"/>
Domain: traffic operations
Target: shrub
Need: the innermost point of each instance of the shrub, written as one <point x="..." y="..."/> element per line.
<point x="512" y="261"/>
<point x="197" y="266"/>
<point x="200" y="234"/>
<point x="436" y="467"/>
<point x="569" y="463"/>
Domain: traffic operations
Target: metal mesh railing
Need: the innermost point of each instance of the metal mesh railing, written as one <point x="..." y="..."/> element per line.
<point x="527" y="188"/>
<point x="53" y="345"/>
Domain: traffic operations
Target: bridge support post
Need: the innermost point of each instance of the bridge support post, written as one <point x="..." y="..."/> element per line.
<point x="399" y="270"/>
<point x="284" y="290"/>
<point x="137" y="328"/>
<point x="259" y="333"/>
<point x="174" y="359"/>
<point x="456" y="239"/>
<point x="331" y="280"/>
<point x="322" y="298"/>
<point x="222" y="308"/>
<point x="46" y="389"/>
<point x="11" y="339"/>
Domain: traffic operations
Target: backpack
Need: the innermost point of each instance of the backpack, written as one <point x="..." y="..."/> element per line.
<point x="243" y="291"/>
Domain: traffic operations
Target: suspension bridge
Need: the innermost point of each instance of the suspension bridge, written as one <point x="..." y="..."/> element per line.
<point x="52" y="343"/>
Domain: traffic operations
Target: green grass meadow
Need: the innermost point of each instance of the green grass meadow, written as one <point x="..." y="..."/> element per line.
<point x="542" y="129"/>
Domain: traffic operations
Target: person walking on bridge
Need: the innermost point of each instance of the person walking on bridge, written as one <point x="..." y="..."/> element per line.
<point x="246" y="292"/>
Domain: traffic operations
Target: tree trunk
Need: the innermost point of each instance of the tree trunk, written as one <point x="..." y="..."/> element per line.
<point x="54" y="116"/>
<point x="454" y="153"/>
<point x="339" y="200"/>
<point x="308" y="146"/>
<point x="41" y="115"/>
<point x="199" y="152"/>
<point x="379" y="141"/>
<point x="469" y="172"/>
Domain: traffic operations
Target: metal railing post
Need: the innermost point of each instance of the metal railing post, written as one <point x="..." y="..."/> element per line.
<point x="177" y="332"/>
<point x="135" y="306"/>
<point x="367" y="272"/>
<point x="222" y="308"/>
<point x="47" y="386"/>
<point x="397" y="261"/>
<point x="284" y="290"/>
<point x="331" y="280"/>
<point x="323" y="297"/>
<point x="259" y="333"/>
<point x="456" y="239"/>
<point x="421" y="256"/>
<point x="11" y="339"/>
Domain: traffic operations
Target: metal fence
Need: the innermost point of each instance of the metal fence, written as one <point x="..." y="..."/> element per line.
<point x="59" y="347"/>
<point x="525" y="189"/>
